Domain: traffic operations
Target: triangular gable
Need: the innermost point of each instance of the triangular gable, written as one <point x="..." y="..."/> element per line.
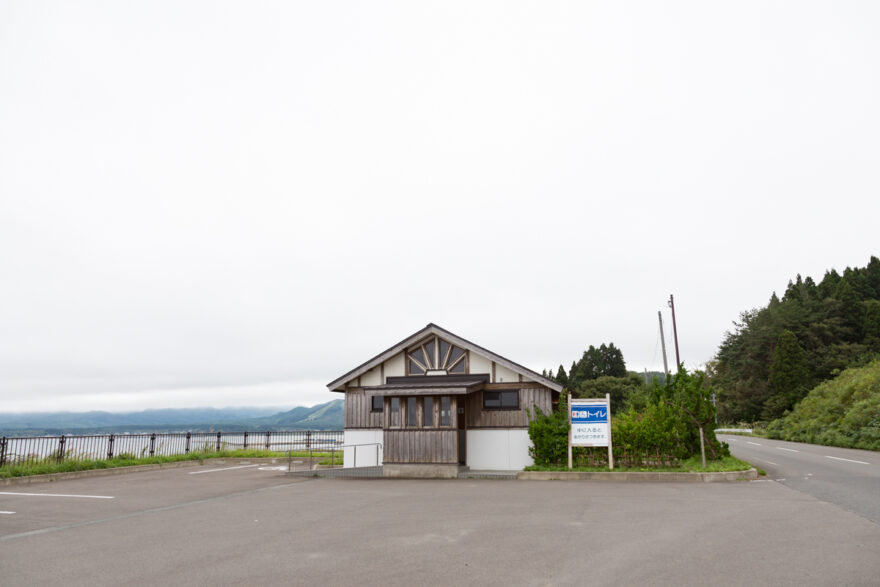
<point x="433" y="329"/>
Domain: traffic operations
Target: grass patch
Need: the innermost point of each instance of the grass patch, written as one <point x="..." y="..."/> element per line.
<point x="691" y="465"/>
<point x="50" y="465"/>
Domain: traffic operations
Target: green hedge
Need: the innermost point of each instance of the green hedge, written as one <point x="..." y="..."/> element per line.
<point x="667" y="426"/>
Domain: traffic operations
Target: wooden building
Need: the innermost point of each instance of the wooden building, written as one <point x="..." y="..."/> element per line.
<point x="434" y="402"/>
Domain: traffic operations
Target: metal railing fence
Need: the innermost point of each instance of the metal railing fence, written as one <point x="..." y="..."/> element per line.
<point x="24" y="450"/>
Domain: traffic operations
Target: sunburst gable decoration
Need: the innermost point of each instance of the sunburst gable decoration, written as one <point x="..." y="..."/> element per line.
<point x="435" y="356"/>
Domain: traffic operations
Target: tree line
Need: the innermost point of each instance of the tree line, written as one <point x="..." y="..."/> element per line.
<point x="600" y="370"/>
<point x="777" y="353"/>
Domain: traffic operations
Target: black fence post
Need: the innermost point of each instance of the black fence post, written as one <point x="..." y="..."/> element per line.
<point x="308" y="440"/>
<point x="61" y="442"/>
<point x="152" y="443"/>
<point x="110" y="442"/>
<point x="3" y="443"/>
<point x="218" y="441"/>
<point x="186" y="450"/>
<point x="268" y="436"/>
<point x="245" y="440"/>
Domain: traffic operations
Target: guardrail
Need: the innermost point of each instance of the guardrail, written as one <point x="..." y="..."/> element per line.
<point x="34" y="449"/>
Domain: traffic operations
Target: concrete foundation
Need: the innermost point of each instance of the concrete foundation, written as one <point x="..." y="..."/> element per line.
<point x="420" y="471"/>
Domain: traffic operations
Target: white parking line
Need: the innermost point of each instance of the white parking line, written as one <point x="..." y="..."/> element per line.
<point x="223" y="469"/>
<point x="847" y="460"/>
<point x="788" y="449"/>
<point x="57" y="495"/>
<point x="755" y="443"/>
<point x="8" y="513"/>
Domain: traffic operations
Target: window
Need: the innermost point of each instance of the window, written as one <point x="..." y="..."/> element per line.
<point x="395" y="411"/>
<point x="378" y="404"/>
<point x="436" y="355"/>
<point x="412" y="419"/>
<point x="445" y="410"/>
<point x="501" y="400"/>
<point x="429" y="412"/>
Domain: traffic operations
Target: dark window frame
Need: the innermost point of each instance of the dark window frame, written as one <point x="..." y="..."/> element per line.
<point x="381" y="400"/>
<point x="428" y="412"/>
<point x="412" y="412"/>
<point x="394" y="413"/>
<point x="499" y="396"/>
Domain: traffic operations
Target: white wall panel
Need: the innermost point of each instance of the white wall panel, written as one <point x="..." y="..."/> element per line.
<point x="371" y="377"/>
<point x="366" y="454"/>
<point x="394" y="367"/>
<point x="503" y="450"/>
<point x="505" y="375"/>
<point x="518" y="449"/>
<point x="480" y="364"/>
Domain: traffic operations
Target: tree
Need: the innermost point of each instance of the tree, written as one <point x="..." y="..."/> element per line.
<point x="619" y="388"/>
<point x="691" y="395"/>
<point x="612" y="361"/>
<point x="832" y="321"/>
<point x="607" y="360"/>
<point x="789" y="374"/>
<point x="849" y="310"/>
<point x="561" y="376"/>
<point x="871" y="327"/>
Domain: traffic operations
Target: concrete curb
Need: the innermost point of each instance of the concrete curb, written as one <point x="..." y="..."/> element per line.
<point x="49" y="478"/>
<point x="646" y="476"/>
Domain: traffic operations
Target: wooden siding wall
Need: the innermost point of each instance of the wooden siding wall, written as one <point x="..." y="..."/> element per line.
<point x="420" y="446"/>
<point x="358" y="410"/>
<point x="529" y="397"/>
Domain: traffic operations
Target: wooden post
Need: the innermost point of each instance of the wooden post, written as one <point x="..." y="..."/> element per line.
<point x="610" y="451"/>
<point x="702" y="447"/>
<point x="568" y="407"/>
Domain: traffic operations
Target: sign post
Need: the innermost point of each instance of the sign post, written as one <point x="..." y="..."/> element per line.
<point x="590" y="421"/>
<point x="569" y="432"/>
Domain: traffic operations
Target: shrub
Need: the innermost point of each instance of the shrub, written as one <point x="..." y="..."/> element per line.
<point x="549" y="435"/>
<point x="844" y="411"/>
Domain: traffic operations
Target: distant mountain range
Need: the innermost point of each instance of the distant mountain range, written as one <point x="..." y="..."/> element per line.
<point x="327" y="416"/>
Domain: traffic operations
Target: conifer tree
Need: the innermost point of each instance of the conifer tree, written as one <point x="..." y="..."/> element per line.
<point x="562" y="377"/>
<point x="850" y="311"/>
<point x="789" y="374"/>
<point x="871" y="327"/>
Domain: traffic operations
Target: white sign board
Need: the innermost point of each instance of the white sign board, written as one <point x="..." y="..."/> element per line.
<point x="589" y="422"/>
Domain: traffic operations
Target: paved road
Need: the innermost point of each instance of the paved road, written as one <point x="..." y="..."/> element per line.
<point x="214" y="525"/>
<point x="845" y="477"/>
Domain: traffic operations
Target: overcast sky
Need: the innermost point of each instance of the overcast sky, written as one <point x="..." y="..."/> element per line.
<point x="233" y="203"/>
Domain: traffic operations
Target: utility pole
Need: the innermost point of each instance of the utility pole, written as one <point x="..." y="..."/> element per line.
<point x="663" y="345"/>
<point x="674" y="333"/>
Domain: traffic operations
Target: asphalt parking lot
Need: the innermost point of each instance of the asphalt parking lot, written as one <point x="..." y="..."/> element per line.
<point x="237" y="524"/>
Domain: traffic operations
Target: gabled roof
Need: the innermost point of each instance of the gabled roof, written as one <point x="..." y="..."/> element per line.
<point x="453" y="338"/>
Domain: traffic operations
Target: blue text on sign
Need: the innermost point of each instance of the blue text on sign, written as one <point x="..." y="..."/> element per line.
<point x="589" y="414"/>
